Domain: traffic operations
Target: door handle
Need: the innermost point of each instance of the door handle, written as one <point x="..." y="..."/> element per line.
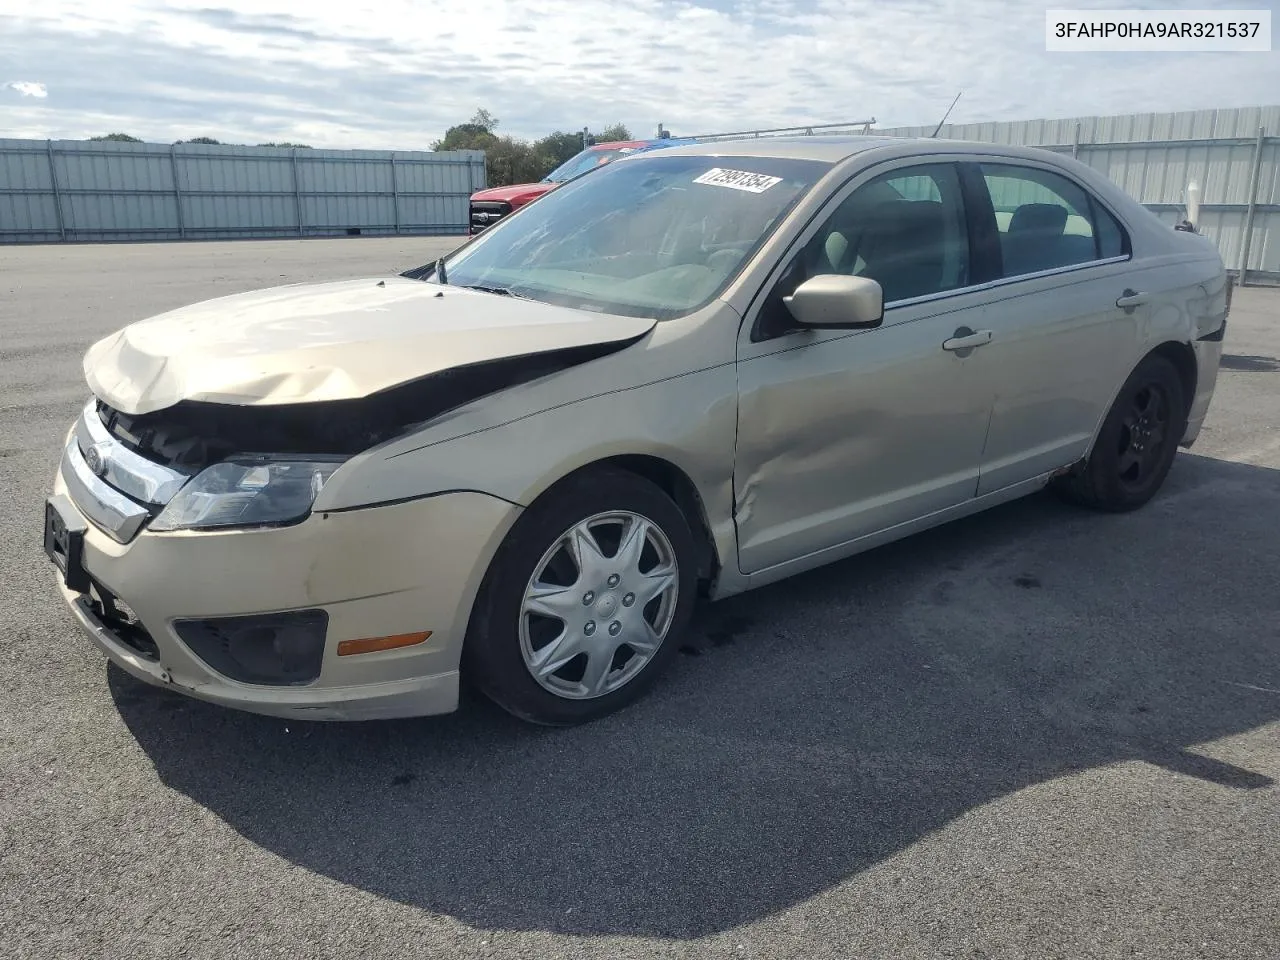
<point x="966" y="339"/>
<point x="1130" y="299"/>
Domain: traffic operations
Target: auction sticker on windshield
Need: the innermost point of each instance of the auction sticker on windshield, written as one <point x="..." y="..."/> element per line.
<point x="738" y="180"/>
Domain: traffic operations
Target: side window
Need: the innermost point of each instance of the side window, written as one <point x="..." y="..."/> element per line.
<point x="1045" y="221"/>
<point x="1112" y="241"/>
<point x="905" y="229"/>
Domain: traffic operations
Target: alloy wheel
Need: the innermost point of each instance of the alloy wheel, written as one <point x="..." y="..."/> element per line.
<point x="1143" y="436"/>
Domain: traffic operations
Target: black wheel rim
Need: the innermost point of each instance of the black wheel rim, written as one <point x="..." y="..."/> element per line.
<point x="1144" y="437"/>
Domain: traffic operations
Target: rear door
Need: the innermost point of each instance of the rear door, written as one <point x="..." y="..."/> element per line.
<point x="1060" y="343"/>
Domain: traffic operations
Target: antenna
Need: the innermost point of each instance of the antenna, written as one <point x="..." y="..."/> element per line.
<point x="944" y="116"/>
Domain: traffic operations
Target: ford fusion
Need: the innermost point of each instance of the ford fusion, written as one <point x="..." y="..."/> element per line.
<point x="686" y="374"/>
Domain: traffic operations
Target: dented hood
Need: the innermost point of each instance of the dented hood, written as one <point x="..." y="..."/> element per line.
<point x="328" y="341"/>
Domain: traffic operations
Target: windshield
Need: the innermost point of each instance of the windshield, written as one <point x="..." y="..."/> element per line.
<point x="584" y="161"/>
<point x="657" y="236"/>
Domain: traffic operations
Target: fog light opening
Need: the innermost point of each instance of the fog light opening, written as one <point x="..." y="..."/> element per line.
<point x="278" y="649"/>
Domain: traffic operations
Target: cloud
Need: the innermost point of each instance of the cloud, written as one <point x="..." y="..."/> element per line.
<point x="396" y="73"/>
<point x="28" y="88"/>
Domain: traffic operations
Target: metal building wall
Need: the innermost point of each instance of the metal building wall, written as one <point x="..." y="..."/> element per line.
<point x="78" y="190"/>
<point x="1153" y="156"/>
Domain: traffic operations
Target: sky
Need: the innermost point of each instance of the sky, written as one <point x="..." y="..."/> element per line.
<point x="394" y="74"/>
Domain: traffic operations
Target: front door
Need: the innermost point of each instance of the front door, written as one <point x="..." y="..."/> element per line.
<point x="845" y="433"/>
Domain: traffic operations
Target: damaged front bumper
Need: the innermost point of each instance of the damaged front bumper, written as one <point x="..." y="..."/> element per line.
<point x="416" y="696"/>
<point x="253" y="618"/>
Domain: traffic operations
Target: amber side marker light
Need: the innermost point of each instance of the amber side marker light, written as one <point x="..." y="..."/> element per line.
<point x="372" y="644"/>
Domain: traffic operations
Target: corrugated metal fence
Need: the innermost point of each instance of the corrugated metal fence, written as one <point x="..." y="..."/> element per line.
<point x="1234" y="155"/>
<point x="96" y="191"/>
<point x="80" y="190"/>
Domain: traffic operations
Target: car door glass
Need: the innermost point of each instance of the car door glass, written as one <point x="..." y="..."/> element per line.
<point x="1112" y="241"/>
<point x="905" y="229"/>
<point x="1046" y="221"/>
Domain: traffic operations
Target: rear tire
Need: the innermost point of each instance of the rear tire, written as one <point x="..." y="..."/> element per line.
<point x="1137" y="443"/>
<point x="603" y="561"/>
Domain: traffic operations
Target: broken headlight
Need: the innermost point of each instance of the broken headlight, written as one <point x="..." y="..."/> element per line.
<point x="247" y="493"/>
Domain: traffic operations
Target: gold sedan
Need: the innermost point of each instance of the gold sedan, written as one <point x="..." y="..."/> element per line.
<point x="686" y="374"/>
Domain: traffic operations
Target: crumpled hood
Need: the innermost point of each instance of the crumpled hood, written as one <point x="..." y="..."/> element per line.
<point x="328" y="341"/>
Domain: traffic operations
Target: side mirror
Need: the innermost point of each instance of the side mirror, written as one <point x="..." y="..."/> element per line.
<point x="837" y="302"/>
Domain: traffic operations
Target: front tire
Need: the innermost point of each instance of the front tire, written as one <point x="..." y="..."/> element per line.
<point x="1137" y="443"/>
<point x="584" y="604"/>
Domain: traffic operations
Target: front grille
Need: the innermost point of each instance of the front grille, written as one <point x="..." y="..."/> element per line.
<point x="485" y="213"/>
<point x="160" y="438"/>
<point x="115" y="486"/>
<point x="104" y="505"/>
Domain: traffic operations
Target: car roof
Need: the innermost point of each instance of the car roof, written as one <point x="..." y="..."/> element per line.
<point x="833" y="149"/>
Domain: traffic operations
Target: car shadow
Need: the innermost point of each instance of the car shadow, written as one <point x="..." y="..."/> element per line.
<point x="815" y="728"/>
<point x="1250" y="364"/>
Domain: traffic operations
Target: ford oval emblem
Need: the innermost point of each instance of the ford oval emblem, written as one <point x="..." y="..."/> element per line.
<point x="94" y="460"/>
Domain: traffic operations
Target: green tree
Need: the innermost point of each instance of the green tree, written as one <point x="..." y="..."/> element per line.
<point x="118" y="138"/>
<point x="558" y="147"/>
<point x="475" y="134"/>
<point x="200" y="140"/>
<point x="286" y="143"/>
<point x="613" y="133"/>
<point x="509" y="161"/>
<point x="484" y="119"/>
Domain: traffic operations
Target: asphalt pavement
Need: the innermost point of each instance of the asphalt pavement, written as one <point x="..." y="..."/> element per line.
<point x="1039" y="732"/>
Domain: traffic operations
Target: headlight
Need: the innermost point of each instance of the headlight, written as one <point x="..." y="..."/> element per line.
<point x="247" y="493"/>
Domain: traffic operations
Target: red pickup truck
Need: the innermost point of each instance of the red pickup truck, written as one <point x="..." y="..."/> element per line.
<point x="491" y="205"/>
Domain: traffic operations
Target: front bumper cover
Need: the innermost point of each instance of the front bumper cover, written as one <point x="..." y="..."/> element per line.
<point x="381" y="571"/>
<point x="415" y="696"/>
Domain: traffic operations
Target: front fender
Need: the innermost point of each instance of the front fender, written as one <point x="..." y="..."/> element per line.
<point x="672" y="395"/>
<point x="688" y="421"/>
